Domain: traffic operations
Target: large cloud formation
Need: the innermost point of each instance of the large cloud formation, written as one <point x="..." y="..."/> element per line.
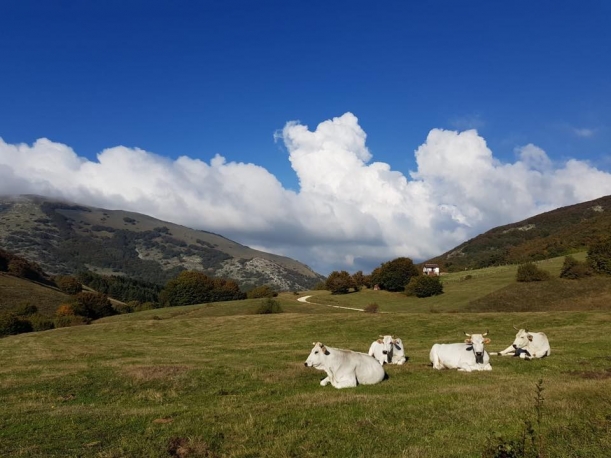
<point x="349" y="213"/>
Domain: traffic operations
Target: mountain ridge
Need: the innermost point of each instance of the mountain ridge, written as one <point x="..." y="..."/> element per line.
<point x="64" y="237"/>
<point x="557" y="232"/>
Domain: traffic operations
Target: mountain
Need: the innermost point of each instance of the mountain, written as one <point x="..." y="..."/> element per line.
<point x="65" y="237"/>
<point x="555" y="233"/>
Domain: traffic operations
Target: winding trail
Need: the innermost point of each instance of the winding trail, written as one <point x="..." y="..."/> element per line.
<point x="305" y="299"/>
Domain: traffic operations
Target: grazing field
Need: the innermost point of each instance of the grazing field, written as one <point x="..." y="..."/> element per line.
<point x="217" y="380"/>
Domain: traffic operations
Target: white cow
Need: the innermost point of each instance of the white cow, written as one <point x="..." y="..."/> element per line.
<point x="381" y="349"/>
<point x="398" y="352"/>
<point x="344" y="368"/>
<point x="468" y="356"/>
<point x="527" y="345"/>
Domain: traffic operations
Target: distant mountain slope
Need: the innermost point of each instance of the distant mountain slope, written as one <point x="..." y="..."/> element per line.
<point x="554" y="233"/>
<point x="66" y="237"/>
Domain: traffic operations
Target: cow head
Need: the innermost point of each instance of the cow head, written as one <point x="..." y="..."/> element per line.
<point x="387" y="342"/>
<point x="397" y="343"/>
<point x="317" y="356"/>
<point x="476" y="344"/>
<point x="523" y="338"/>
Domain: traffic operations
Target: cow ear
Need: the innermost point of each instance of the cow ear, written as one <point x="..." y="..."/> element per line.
<point x="324" y="349"/>
<point x="530" y="337"/>
<point x="468" y="341"/>
<point x="379" y="341"/>
<point x="486" y="341"/>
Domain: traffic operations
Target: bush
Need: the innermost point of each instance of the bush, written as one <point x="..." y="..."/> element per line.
<point x="530" y="272"/>
<point x="11" y="324"/>
<point x="424" y="286"/>
<point x="371" y="308"/>
<point x="269" y="306"/>
<point x="41" y="323"/>
<point x="261" y="291"/>
<point x="68" y="284"/>
<point x="340" y="282"/>
<point x="26" y="309"/>
<point x="122" y="308"/>
<point x="599" y="257"/>
<point x="70" y="320"/>
<point x="573" y="269"/>
<point x="64" y="310"/>
<point x="146" y="306"/>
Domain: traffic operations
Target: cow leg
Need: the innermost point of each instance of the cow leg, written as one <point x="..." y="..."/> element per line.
<point x="465" y="368"/>
<point x="401" y="361"/>
<point x="509" y="351"/>
<point x="346" y="382"/>
<point x="325" y="381"/>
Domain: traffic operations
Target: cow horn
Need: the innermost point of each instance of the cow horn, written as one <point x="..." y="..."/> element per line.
<point x="485" y="333"/>
<point x="313" y="343"/>
<point x="514" y="327"/>
<point x="468" y="335"/>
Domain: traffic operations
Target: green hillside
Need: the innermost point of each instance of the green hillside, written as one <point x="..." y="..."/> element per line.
<point x="16" y="292"/>
<point x="555" y="233"/>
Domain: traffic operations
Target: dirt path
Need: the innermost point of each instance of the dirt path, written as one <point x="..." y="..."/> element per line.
<point x="305" y="299"/>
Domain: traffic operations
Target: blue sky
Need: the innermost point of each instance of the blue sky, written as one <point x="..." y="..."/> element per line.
<point x="199" y="79"/>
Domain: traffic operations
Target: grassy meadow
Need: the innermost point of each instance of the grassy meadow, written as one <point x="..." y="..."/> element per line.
<point x="216" y="380"/>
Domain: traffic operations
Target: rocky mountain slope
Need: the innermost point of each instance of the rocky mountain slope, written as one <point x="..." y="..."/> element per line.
<point x="66" y="237"/>
<point x="555" y="233"/>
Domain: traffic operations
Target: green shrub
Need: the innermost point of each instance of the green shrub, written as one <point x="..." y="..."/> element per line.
<point x="269" y="306"/>
<point x="122" y="308"/>
<point x="371" y="308"/>
<point x="599" y="257"/>
<point x="11" y="324"/>
<point x="530" y="272"/>
<point x="146" y="306"/>
<point x="41" y="323"/>
<point x="26" y="309"/>
<point x="573" y="269"/>
<point x="424" y="286"/>
<point x="261" y="291"/>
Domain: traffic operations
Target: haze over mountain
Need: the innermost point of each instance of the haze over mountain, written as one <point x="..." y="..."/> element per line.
<point x="65" y="237"/>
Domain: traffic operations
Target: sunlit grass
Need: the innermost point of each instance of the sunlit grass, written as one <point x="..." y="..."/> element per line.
<point x="218" y="380"/>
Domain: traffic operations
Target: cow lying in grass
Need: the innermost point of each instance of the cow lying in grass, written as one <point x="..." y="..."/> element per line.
<point x="468" y="356"/>
<point x="527" y="345"/>
<point x="388" y="350"/>
<point x="344" y="368"/>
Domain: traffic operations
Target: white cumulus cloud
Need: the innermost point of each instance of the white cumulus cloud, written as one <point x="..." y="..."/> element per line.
<point x="349" y="213"/>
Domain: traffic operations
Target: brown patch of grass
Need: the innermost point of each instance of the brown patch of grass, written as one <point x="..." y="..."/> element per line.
<point x="182" y="447"/>
<point x="146" y="373"/>
<point x="592" y="375"/>
<point x="163" y="421"/>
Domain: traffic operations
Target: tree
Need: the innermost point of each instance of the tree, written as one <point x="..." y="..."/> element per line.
<point x="69" y="284"/>
<point x="394" y="275"/>
<point x="599" y="257"/>
<point x="359" y="279"/>
<point x="261" y="291"/>
<point x="191" y="287"/>
<point x="424" y="286"/>
<point x="93" y="305"/>
<point x="339" y="282"/>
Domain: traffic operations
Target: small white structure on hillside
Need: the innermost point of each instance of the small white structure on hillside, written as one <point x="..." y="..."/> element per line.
<point x="430" y="269"/>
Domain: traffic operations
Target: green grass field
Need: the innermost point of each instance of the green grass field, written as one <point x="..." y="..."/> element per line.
<point x="215" y="380"/>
